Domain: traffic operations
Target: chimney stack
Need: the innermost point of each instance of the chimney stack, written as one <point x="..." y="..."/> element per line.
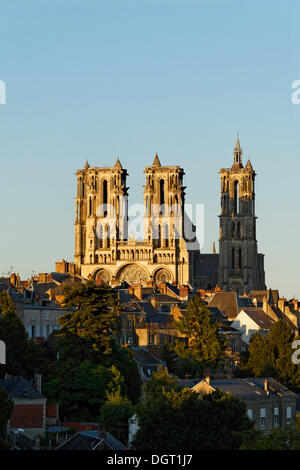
<point x="266" y="386"/>
<point x="38" y="382"/>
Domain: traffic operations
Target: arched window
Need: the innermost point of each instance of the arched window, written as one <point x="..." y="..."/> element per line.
<point x="232" y="256"/>
<point x="236" y="197"/>
<point x="90" y="206"/>
<point x="101" y="237"/>
<point x="166" y="235"/>
<point x="162" y="194"/>
<point x="159" y="236"/>
<point x="78" y="211"/>
<point x="176" y="204"/>
<point x="108" y="236"/>
<point x="240" y="259"/>
<point x="104" y="187"/>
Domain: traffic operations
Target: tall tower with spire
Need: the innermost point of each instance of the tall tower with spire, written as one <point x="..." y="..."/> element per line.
<point x="101" y="211"/>
<point x="241" y="268"/>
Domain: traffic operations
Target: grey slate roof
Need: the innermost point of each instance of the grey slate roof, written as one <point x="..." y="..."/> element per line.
<point x="251" y="387"/>
<point x="19" y="387"/>
<point x="91" y="440"/>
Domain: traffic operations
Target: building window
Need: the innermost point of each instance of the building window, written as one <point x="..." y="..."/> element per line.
<point x="33" y="315"/>
<point x="288" y="415"/>
<point x="276" y="417"/>
<point x="47" y="331"/>
<point x="262" y="417"/>
<point x="250" y="414"/>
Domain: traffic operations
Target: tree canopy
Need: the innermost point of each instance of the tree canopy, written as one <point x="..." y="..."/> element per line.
<point x="92" y="315"/>
<point x="204" y="346"/>
<point x="6" y="409"/>
<point x="23" y="356"/>
<point x="86" y="358"/>
<point x="271" y="355"/>
<point x="185" y="422"/>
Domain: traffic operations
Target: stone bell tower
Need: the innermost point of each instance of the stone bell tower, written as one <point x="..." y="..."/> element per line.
<point x="241" y="268"/>
<point x="101" y="212"/>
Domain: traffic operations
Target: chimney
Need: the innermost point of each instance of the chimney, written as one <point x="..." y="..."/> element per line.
<point x="281" y="304"/>
<point x="162" y="288"/>
<point x="154" y="303"/>
<point x="266" y="386"/>
<point x="38" y="382"/>
<point x="265" y="304"/>
<point x="138" y="291"/>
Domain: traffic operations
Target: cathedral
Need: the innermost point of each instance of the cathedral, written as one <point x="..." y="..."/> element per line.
<point x="169" y="252"/>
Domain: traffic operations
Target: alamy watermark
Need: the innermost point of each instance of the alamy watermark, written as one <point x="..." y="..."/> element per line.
<point x="2" y="92"/>
<point x="2" y="352"/>
<point x="160" y="222"/>
<point x="296" y="94"/>
<point x="295" y="355"/>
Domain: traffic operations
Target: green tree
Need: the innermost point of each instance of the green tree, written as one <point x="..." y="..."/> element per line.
<point x="80" y="389"/>
<point x="183" y="421"/>
<point x="92" y="317"/>
<point x="271" y="355"/>
<point x="160" y="383"/>
<point x="23" y="356"/>
<point x="205" y="344"/>
<point x="6" y="304"/>
<point x="6" y="409"/>
<point x="84" y="355"/>
<point x="277" y="439"/>
<point x="115" y="414"/>
<point x="180" y="360"/>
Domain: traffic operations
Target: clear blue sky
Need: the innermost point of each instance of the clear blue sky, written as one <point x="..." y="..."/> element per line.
<point x="101" y="79"/>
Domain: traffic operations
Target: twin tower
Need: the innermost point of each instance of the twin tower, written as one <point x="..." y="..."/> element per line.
<point x="168" y="253"/>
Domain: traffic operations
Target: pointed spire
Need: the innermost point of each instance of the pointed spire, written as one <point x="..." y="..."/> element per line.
<point x="249" y="166"/>
<point x="214" y="248"/>
<point x="118" y="164"/>
<point x="86" y="166"/>
<point x="156" y="161"/>
<point x="237" y="152"/>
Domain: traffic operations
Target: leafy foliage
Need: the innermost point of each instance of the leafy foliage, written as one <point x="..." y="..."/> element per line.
<point x="86" y="360"/>
<point x="114" y="415"/>
<point x="160" y="383"/>
<point x="92" y="316"/>
<point x="6" y="409"/>
<point x="204" y="348"/>
<point x="185" y="422"/>
<point x="271" y="355"/>
<point x="180" y="360"/>
<point x="277" y="439"/>
<point x="23" y="356"/>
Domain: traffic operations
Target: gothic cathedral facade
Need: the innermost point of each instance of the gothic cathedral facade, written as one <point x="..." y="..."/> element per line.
<point x="104" y="250"/>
